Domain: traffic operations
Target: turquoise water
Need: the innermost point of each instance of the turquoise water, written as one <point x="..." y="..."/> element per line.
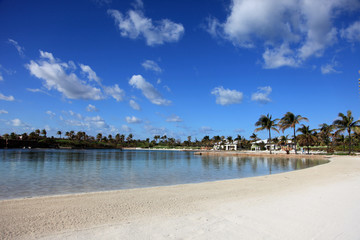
<point x="29" y="173"/>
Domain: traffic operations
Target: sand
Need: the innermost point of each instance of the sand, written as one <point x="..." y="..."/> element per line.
<point x="321" y="202"/>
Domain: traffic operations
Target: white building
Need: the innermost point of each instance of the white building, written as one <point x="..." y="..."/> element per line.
<point x="227" y="146"/>
<point x="255" y="146"/>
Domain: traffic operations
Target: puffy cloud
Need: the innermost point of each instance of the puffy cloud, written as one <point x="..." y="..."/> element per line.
<point x="78" y="120"/>
<point x="148" y="90"/>
<point x="60" y="76"/>
<point x="3" y="111"/>
<point x="227" y="96"/>
<point x="278" y="57"/>
<point x="151" y="65"/>
<point x="352" y="33"/>
<point x="55" y="76"/>
<point x="134" y="105"/>
<point x="262" y="95"/>
<point x="294" y="29"/>
<point x="17" y="46"/>
<point x="96" y="122"/>
<point x="115" y="92"/>
<point x="91" y="75"/>
<point x="174" y="118"/>
<point x="134" y="25"/>
<point x="133" y="119"/>
<point x="6" y="98"/>
<point x="17" y="123"/>
<point x="91" y="108"/>
<point x="50" y="113"/>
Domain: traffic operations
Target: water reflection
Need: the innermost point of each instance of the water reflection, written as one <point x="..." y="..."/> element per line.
<point x="25" y="173"/>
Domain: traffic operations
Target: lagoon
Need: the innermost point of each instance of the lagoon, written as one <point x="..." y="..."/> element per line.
<point x="30" y="173"/>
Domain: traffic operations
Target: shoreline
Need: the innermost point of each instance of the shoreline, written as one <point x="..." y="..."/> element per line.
<point x="199" y="209"/>
<point x="203" y="153"/>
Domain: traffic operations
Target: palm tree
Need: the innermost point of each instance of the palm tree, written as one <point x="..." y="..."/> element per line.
<point x="307" y="137"/>
<point x="99" y="137"/>
<point x="289" y="121"/>
<point x="325" y="134"/>
<point x="189" y="140"/>
<point x="59" y="133"/>
<point x="254" y="137"/>
<point x="346" y="123"/>
<point x="284" y="140"/>
<point x="43" y="132"/>
<point x="265" y="122"/>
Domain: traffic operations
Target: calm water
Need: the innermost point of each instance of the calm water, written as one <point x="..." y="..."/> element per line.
<point x="27" y="173"/>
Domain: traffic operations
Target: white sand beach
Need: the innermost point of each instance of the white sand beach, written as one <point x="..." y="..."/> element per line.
<point x="321" y="202"/>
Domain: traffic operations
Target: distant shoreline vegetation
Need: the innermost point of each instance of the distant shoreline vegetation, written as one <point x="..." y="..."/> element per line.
<point x="329" y="138"/>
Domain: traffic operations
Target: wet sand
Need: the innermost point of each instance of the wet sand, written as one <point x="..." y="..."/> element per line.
<point x="321" y="202"/>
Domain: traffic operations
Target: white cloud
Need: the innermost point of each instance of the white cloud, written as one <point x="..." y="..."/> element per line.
<point x="294" y="29"/>
<point x="134" y="105"/>
<point x="329" y="68"/>
<point x="96" y="122"/>
<point x="134" y="25"/>
<point x="3" y="111"/>
<point x="148" y="90"/>
<point x="50" y="113"/>
<point x="17" y="123"/>
<point x="1" y="77"/>
<point x="55" y="76"/>
<point x="17" y="46"/>
<point x="151" y="65"/>
<point x="91" y="108"/>
<point x="262" y="95"/>
<point x="61" y="77"/>
<point x="174" y="118"/>
<point x="115" y="92"/>
<point x="35" y="90"/>
<point x="352" y="33"/>
<point x="158" y="81"/>
<point x="133" y="119"/>
<point x="227" y="96"/>
<point x="6" y="98"/>
<point x="74" y="114"/>
<point x="77" y="120"/>
<point x="278" y="57"/>
<point x="91" y="75"/>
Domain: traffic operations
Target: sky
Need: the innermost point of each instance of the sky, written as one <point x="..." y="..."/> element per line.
<point x="176" y="68"/>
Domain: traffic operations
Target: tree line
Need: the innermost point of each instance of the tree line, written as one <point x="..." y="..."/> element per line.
<point x="331" y="136"/>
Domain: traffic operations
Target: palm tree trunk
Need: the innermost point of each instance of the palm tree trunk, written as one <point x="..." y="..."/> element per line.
<point x="270" y="140"/>
<point x="295" y="140"/>
<point x="349" y="131"/>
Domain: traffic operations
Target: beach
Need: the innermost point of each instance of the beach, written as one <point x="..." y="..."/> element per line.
<point x="321" y="202"/>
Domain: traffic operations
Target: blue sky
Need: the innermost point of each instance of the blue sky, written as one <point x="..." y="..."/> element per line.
<point x="175" y="68"/>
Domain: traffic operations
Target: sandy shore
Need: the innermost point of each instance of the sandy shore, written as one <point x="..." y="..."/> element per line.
<point x="322" y="202"/>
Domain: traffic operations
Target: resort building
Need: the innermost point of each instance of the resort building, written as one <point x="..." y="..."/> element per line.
<point x="266" y="145"/>
<point x="227" y="146"/>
